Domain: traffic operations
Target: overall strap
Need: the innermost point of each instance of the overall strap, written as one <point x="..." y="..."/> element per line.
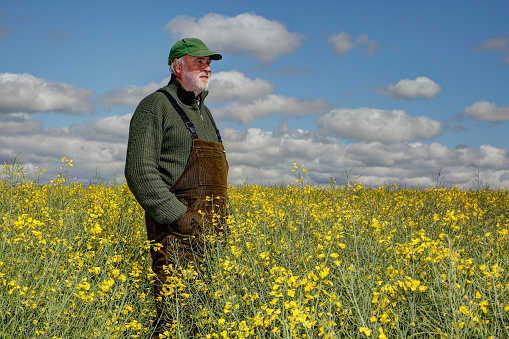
<point x="217" y="131"/>
<point x="182" y="114"/>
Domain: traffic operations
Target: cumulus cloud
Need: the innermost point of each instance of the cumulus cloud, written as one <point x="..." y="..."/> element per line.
<point x="28" y="94"/>
<point x="99" y="145"/>
<point x="131" y="95"/>
<point x="245" y="34"/>
<point x="342" y="43"/>
<point x="253" y="99"/>
<point x="260" y="156"/>
<point x="420" y="87"/>
<point x="19" y="124"/>
<point x="496" y="44"/>
<point x="248" y="111"/>
<point x="487" y="111"/>
<point x="113" y="129"/>
<point x="370" y="124"/>
<point x="225" y="86"/>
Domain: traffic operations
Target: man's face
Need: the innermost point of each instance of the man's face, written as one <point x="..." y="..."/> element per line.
<point x="195" y="73"/>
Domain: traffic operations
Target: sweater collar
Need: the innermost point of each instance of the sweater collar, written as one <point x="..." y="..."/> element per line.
<point x="186" y="96"/>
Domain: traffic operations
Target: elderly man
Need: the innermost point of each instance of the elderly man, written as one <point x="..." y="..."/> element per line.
<point x="175" y="160"/>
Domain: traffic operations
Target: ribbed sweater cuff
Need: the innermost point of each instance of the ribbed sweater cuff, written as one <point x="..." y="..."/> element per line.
<point x="170" y="214"/>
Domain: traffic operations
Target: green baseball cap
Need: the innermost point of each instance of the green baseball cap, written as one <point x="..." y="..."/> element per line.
<point x="191" y="46"/>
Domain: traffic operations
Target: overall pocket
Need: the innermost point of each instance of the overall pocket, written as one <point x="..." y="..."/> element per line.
<point x="190" y="223"/>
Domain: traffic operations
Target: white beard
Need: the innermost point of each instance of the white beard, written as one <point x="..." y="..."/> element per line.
<point x="197" y="85"/>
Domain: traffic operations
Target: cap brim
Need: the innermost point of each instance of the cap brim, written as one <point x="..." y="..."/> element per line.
<point x="203" y="53"/>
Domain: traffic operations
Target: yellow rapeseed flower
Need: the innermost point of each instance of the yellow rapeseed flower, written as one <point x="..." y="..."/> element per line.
<point x="365" y="330"/>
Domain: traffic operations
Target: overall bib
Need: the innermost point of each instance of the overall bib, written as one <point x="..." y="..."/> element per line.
<point x="202" y="187"/>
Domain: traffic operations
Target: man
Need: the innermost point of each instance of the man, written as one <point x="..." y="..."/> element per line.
<point x="175" y="160"/>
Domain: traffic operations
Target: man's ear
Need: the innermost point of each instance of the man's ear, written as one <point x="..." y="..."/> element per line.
<point x="177" y="66"/>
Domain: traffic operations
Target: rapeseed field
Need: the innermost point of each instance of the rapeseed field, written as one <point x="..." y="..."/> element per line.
<point x="300" y="261"/>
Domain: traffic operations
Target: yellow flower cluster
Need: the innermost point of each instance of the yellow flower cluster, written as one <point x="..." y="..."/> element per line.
<point x="73" y="260"/>
<point x="298" y="261"/>
<point x="304" y="261"/>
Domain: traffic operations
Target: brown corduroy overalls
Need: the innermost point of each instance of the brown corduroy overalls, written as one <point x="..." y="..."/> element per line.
<point x="202" y="187"/>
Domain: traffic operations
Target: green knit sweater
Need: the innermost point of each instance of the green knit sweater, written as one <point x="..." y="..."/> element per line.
<point x="159" y="147"/>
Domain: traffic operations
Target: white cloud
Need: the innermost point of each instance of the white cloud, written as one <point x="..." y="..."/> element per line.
<point x="342" y="43"/>
<point x="254" y="99"/>
<point x="248" y="111"/>
<point x="245" y="34"/>
<point x="19" y="124"/>
<point x="420" y="87"/>
<point x="259" y="156"/>
<point x="99" y="145"/>
<point x="131" y="95"/>
<point x="26" y="93"/>
<point x="370" y="124"/>
<point x="113" y="129"/>
<point x="250" y="99"/>
<point x="487" y="111"/>
<point x="225" y="86"/>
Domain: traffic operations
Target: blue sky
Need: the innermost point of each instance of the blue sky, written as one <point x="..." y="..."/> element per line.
<point x="397" y="89"/>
